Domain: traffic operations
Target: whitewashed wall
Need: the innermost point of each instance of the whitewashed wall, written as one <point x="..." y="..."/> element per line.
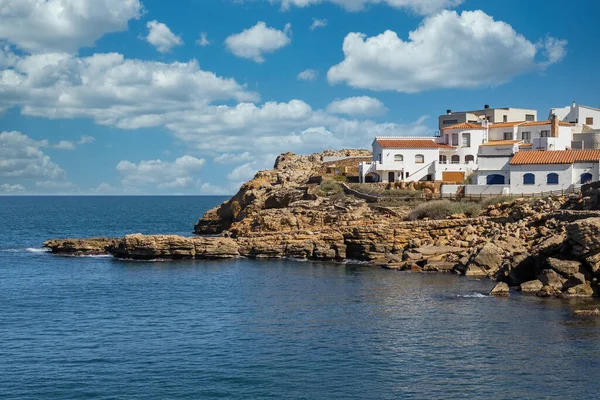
<point x="564" y="171"/>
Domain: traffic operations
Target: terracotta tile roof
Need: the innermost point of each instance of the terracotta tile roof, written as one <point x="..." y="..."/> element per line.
<point x="536" y="123"/>
<point x="525" y="145"/>
<point x="554" y="157"/>
<point x="501" y="142"/>
<point x="464" y="125"/>
<point x="506" y="124"/>
<point x="412" y="144"/>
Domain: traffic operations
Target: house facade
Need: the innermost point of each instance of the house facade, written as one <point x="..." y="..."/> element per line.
<point x="578" y="115"/>
<point x="491" y="115"/>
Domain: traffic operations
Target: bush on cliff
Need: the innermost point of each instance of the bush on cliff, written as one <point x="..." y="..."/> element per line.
<point x="329" y="188"/>
<point x="441" y="209"/>
<point x="496" y="200"/>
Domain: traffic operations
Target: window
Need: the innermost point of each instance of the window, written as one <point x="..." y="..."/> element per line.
<point x="466" y="140"/>
<point x="529" y="179"/>
<point x="455" y="139"/>
<point x="586" y="178"/>
<point x="589" y="120"/>
<point x="450" y="121"/>
<point x="443" y="159"/>
<point x="379" y="157"/>
<point x="455" y="159"/>
<point x="526" y="137"/>
<point x="469" y="159"/>
<point x="419" y="159"/>
<point x="529" y="117"/>
<point x="545" y="134"/>
<point x="508" y="135"/>
<point x="505" y="118"/>
<point x="552" y="179"/>
<point x="398" y="157"/>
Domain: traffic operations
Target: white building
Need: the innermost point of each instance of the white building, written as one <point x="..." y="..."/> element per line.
<point x="491" y="115"/>
<point x="545" y="171"/>
<point x="578" y="115"/>
<point x="412" y="159"/>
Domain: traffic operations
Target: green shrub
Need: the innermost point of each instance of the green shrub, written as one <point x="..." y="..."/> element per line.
<point x="340" y="178"/>
<point x="441" y="209"/>
<point x="329" y="188"/>
<point x="485" y="203"/>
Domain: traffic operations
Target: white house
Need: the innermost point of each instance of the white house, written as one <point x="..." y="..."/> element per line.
<point x="545" y="171"/>
<point x="408" y="159"/>
<point x="578" y="115"/>
<point x="491" y="115"/>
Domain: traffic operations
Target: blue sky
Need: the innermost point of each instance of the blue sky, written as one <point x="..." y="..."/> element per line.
<point x="142" y="97"/>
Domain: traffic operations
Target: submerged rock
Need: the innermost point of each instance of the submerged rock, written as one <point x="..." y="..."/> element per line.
<point x="587" y="313"/>
<point x="501" y="289"/>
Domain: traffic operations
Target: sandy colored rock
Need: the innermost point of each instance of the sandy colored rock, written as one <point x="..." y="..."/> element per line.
<point x="550" y="278"/>
<point x="501" y="290"/>
<point x="531" y="286"/>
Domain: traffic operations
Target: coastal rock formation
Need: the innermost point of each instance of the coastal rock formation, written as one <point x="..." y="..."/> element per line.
<point x="548" y="247"/>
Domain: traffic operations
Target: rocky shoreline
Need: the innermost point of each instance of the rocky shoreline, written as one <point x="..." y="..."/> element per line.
<point x="549" y="247"/>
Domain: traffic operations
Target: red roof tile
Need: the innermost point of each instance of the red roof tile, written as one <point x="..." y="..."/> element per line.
<point x="535" y="123"/>
<point x="501" y="142"/>
<point x="412" y="144"/>
<point x="506" y="124"/>
<point x="554" y="157"/>
<point x="464" y="125"/>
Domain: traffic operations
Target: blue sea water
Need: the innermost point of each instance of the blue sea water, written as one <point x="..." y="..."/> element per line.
<point x="98" y="328"/>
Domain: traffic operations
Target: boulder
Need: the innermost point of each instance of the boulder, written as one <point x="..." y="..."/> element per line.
<point x="548" y="291"/>
<point x="501" y="289"/>
<point x="531" y="286"/>
<point x="587" y="313"/>
<point x="550" y="278"/>
<point x="583" y="290"/>
<point x="574" y="280"/>
<point x="565" y="268"/>
<point x="489" y="258"/>
<point x="475" y="272"/>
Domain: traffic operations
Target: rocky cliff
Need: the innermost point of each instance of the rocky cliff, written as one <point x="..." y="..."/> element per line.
<point x="549" y="246"/>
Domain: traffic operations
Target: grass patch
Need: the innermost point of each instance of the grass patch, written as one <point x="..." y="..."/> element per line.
<point x="441" y="209"/>
<point x="329" y="188"/>
<point x="485" y="203"/>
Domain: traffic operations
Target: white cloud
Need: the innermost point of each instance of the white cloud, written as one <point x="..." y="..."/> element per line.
<point x="318" y="23"/>
<point x="554" y="50"/>
<point x="161" y="37"/>
<point x="363" y="106"/>
<point x="63" y="25"/>
<point x="448" y="50"/>
<point x="243" y="172"/>
<point x="65" y="145"/>
<point x="110" y="89"/>
<point x="421" y="7"/>
<point x="203" y="40"/>
<point x="308" y="75"/>
<point x="181" y="173"/>
<point x="21" y="157"/>
<point x="233" y="158"/>
<point x="6" y="188"/>
<point x="86" y="139"/>
<point x="254" y="42"/>
<point x="54" y="184"/>
<point x="209" y="188"/>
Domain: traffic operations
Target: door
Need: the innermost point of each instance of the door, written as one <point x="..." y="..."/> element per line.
<point x="495" y="179"/>
<point x="454" y="177"/>
<point x="391" y="176"/>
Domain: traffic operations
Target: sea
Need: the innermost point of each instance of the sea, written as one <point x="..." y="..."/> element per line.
<point x="99" y="328"/>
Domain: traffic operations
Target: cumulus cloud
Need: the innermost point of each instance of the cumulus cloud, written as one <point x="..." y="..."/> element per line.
<point x="318" y="23"/>
<point x="258" y="40"/>
<point x="233" y="158"/>
<point x="161" y="37"/>
<point x="6" y="188"/>
<point x="554" y="50"/>
<point x="448" y="50"/>
<point x="181" y="173"/>
<point x="110" y="89"/>
<point x="421" y="7"/>
<point x="363" y="106"/>
<point x="21" y="157"/>
<point x="86" y="139"/>
<point x="203" y="40"/>
<point x="308" y="75"/>
<point x="54" y="184"/>
<point x="63" y="25"/>
<point x="65" y="145"/>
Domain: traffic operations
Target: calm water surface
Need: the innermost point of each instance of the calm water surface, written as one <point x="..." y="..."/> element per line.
<point x="93" y="327"/>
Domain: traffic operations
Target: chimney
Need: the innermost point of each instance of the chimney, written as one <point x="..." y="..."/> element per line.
<point x="486" y="106"/>
<point x="553" y="126"/>
<point x="448" y="111"/>
<point x="574" y="104"/>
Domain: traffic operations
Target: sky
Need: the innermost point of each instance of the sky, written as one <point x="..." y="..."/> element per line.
<point x="196" y="96"/>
